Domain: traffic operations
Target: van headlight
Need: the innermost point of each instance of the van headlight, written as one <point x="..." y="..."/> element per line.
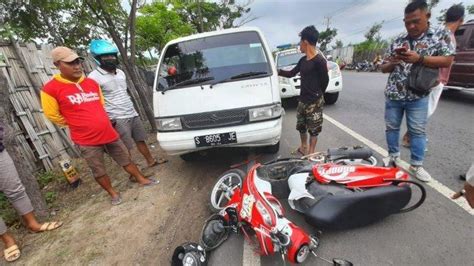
<point x="334" y="71"/>
<point x="169" y="124"/>
<point x="265" y="113"/>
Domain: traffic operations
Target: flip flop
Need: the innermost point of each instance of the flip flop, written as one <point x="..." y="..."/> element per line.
<point x="12" y="253"/>
<point x="297" y="151"/>
<point x="49" y="226"/>
<point x="159" y="161"/>
<point x="116" y="200"/>
<point x="152" y="183"/>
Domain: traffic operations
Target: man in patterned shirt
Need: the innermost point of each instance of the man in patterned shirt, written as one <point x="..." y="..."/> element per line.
<point x="424" y="46"/>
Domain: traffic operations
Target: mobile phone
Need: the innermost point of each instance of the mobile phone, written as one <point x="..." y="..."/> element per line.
<point x="400" y="50"/>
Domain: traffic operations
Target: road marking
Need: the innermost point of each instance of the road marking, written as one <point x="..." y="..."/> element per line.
<point x="250" y="257"/>
<point x="435" y="184"/>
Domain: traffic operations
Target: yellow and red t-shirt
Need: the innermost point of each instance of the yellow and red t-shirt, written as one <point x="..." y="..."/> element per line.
<point x="80" y="107"/>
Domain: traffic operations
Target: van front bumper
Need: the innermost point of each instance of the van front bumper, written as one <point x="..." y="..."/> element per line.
<point x="256" y="134"/>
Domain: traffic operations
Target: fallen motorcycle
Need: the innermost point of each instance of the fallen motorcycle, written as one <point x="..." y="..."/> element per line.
<point x="330" y="195"/>
<point x="253" y="210"/>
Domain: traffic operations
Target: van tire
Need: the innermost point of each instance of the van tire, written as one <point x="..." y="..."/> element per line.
<point x="272" y="149"/>
<point x="331" y="98"/>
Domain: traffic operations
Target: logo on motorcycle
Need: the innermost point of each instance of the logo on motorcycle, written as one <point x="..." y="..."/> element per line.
<point x="247" y="206"/>
<point x="336" y="172"/>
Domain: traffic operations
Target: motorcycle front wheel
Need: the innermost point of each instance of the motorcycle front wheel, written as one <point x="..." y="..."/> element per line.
<point x="224" y="189"/>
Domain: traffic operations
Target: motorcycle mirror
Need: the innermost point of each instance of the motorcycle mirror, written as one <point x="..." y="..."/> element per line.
<point x="341" y="262"/>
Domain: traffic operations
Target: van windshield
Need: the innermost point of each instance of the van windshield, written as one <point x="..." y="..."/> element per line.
<point x="289" y="59"/>
<point x="214" y="58"/>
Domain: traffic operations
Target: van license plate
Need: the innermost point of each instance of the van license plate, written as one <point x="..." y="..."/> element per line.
<point x="215" y="139"/>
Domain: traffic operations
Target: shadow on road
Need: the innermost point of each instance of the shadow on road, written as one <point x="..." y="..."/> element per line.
<point x="458" y="96"/>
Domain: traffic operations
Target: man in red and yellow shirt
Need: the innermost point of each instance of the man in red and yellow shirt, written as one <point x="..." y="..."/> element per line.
<point x="73" y="100"/>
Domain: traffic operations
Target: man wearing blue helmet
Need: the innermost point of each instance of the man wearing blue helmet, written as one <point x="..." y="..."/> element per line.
<point x="118" y="104"/>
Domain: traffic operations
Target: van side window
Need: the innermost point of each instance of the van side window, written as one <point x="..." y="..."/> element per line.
<point x="458" y="34"/>
<point x="471" y="41"/>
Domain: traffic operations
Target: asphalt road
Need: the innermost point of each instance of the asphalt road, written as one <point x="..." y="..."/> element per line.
<point x="438" y="233"/>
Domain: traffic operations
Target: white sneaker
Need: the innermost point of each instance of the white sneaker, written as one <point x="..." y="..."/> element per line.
<point x="420" y="173"/>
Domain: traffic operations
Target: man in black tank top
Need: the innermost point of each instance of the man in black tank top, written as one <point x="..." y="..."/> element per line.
<point x="314" y="80"/>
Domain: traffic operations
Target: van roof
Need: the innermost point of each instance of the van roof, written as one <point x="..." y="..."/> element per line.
<point x="215" y="33"/>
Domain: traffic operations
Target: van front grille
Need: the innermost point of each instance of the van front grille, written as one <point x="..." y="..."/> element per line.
<point x="215" y="119"/>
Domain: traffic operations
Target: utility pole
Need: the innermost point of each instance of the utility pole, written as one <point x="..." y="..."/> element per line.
<point x="327" y="22"/>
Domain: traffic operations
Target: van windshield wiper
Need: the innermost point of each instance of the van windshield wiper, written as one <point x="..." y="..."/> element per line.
<point x="187" y="82"/>
<point x="239" y="76"/>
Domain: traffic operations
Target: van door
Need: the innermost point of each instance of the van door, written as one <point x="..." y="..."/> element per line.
<point x="462" y="72"/>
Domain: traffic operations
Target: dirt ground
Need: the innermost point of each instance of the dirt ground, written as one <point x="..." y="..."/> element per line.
<point x="143" y="230"/>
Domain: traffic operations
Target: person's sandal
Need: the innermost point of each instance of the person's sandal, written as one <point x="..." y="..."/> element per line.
<point x="116" y="200"/>
<point x="158" y="162"/>
<point x="153" y="182"/>
<point x="49" y="226"/>
<point x="12" y="253"/>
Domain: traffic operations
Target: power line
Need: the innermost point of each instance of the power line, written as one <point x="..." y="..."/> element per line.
<point x="360" y="30"/>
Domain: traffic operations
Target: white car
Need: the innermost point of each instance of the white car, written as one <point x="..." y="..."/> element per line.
<point x="290" y="87"/>
<point x="217" y="89"/>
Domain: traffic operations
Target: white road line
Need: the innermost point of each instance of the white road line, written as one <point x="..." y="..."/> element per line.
<point x="436" y="185"/>
<point x="250" y="257"/>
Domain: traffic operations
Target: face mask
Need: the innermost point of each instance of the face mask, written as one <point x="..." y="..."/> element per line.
<point x="109" y="64"/>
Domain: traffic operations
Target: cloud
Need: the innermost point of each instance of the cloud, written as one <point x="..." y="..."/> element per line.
<point x="281" y="21"/>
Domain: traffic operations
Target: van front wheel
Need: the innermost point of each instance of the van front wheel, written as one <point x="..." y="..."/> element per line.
<point x="331" y="98"/>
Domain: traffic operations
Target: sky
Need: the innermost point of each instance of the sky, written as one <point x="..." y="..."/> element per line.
<point x="282" y="20"/>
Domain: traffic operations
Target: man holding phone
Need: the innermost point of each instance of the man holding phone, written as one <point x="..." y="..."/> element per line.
<point x="420" y="46"/>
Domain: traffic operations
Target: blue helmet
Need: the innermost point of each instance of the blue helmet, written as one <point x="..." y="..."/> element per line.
<point x="101" y="47"/>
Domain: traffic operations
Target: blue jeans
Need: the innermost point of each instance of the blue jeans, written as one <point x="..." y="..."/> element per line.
<point x="416" y="116"/>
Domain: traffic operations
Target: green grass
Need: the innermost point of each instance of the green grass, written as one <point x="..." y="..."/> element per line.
<point x="8" y="214"/>
<point x="46" y="177"/>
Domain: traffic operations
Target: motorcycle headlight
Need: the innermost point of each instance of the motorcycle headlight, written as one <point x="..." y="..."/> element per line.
<point x="267" y="219"/>
<point x="168" y="124"/>
<point x="264" y="113"/>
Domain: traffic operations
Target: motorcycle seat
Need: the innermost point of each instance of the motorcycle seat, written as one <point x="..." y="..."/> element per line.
<point x="349" y="210"/>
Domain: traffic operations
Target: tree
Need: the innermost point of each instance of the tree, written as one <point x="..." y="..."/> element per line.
<point x="60" y="22"/>
<point x="338" y="44"/>
<point x="470" y="9"/>
<point x="75" y="23"/>
<point x="157" y="25"/>
<point x="325" y="38"/>
<point x="208" y="16"/>
<point x="373" y="34"/>
<point x="110" y="16"/>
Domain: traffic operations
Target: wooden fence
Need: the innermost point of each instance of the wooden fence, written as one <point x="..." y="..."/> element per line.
<point x="26" y="68"/>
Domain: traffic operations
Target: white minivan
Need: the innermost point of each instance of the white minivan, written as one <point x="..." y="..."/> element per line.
<point x="217" y="89"/>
